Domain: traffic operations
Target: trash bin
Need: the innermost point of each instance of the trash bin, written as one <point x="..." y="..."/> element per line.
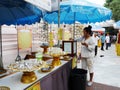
<point x="78" y="79"/>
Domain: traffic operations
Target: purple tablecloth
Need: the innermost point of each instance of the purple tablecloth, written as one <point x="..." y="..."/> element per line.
<point x="58" y="79"/>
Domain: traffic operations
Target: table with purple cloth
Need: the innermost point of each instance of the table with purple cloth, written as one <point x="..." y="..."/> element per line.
<point x="57" y="79"/>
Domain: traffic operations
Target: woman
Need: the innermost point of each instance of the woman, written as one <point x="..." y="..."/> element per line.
<point x="87" y="52"/>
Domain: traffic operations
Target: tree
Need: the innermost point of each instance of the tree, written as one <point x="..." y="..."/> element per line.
<point x="114" y="5"/>
<point x="107" y="4"/>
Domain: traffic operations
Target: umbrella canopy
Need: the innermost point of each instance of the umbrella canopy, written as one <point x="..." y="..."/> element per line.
<point x="117" y="25"/>
<point x="79" y="10"/>
<point x="18" y="12"/>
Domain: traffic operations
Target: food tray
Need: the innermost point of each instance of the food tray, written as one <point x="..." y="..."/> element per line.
<point x="47" y="69"/>
<point x="4" y="88"/>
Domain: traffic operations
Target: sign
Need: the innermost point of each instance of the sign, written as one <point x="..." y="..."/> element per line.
<point x="24" y="39"/>
<point x="51" y="36"/>
<point x="70" y="47"/>
<point x="67" y="47"/>
<point x="44" y="4"/>
<point x="55" y="4"/>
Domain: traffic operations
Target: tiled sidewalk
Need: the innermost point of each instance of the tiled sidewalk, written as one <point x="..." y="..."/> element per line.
<point x="98" y="86"/>
<point x="107" y="68"/>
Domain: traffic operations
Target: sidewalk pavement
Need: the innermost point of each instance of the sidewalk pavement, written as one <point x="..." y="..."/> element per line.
<point x="106" y="68"/>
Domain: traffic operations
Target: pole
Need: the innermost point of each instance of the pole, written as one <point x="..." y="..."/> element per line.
<point x="18" y="58"/>
<point x="58" y="19"/>
<point x="58" y="13"/>
<point x="74" y="27"/>
<point x="1" y="63"/>
<point x="2" y="70"/>
<point x="74" y="31"/>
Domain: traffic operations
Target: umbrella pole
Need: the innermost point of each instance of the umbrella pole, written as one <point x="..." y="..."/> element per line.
<point x="47" y="31"/>
<point x="33" y="36"/>
<point x="18" y="58"/>
<point x="74" y="28"/>
<point x="2" y="70"/>
<point x="74" y="31"/>
<point x="58" y="13"/>
<point x="1" y="63"/>
<point x="58" y="20"/>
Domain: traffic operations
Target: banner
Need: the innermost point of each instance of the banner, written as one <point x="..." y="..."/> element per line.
<point x="55" y="4"/>
<point x="49" y="5"/>
<point x="44" y="4"/>
<point x="24" y="39"/>
<point x="74" y="62"/>
<point x="60" y="34"/>
<point x="67" y="35"/>
<point x="117" y="49"/>
<point x="51" y="43"/>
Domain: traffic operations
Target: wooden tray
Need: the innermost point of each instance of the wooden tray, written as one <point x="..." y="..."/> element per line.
<point x="4" y="88"/>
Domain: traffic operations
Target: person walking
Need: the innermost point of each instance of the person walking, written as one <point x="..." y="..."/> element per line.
<point x="102" y="37"/>
<point x="107" y="40"/>
<point x="114" y="38"/>
<point x="96" y="38"/>
<point x="87" y="52"/>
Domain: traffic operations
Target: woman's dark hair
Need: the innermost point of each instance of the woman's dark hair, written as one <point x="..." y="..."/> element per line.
<point x="88" y="30"/>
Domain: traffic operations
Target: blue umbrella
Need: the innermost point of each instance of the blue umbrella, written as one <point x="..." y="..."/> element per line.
<point x="17" y="12"/>
<point x="78" y="10"/>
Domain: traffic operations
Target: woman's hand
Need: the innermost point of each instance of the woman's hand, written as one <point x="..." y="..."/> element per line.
<point x="85" y="44"/>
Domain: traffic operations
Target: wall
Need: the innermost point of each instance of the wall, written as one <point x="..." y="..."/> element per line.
<point x="9" y="45"/>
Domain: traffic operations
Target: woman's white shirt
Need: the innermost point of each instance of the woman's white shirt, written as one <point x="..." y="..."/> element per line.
<point x="88" y="52"/>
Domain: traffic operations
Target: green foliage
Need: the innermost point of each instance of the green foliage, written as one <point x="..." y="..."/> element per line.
<point x="108" y="1"/>
<point x="114" y="5"/>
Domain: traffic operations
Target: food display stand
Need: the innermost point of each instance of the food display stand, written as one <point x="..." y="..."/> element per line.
<point x="57" y="79"/>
